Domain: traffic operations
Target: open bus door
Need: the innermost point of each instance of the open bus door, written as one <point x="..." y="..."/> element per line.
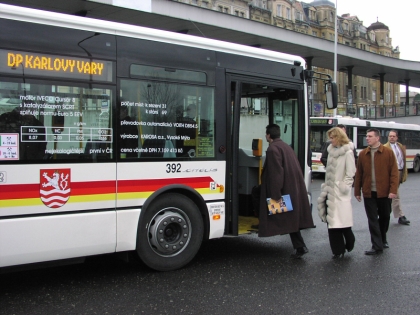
<point x="255" y="103"/>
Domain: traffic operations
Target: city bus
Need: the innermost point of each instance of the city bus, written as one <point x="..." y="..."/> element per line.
<point x="117" y="138"/>
<point x="408" y="135"/>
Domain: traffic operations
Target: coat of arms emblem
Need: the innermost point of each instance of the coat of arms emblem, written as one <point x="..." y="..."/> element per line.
<point x="55" y="187"/>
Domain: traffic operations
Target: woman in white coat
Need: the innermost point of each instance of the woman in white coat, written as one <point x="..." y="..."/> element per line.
<point x="334" y="202"/>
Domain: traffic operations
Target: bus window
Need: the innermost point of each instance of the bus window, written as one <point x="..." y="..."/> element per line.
<point x="49" y="121"/>
<point x="172" y="120"/>
<point x="318" y="137"/>
<point x="361" y="137"/>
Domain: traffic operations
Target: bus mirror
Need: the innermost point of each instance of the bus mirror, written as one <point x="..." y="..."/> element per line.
<point x="308" y="75"/>
<point x="332" y="95"/>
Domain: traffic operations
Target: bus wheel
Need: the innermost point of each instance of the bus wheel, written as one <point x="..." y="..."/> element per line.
<point x="170" y="233"/>
<point x="416" y="164"/>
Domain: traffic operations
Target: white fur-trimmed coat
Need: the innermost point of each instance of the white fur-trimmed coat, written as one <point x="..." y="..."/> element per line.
<point x="336" y="191"/>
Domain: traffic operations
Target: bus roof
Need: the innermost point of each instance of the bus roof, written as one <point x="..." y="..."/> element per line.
<point x="349" y="121"/>
<point x="88" y="24"/>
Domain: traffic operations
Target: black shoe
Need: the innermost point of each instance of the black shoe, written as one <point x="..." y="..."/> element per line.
<point x="299" y="252"/>
<point x="403" y="220"/>
<point x="386" y="245"/>
<point x="350" y="249"/>
<point x="373" y="252"/>
<point x="255" y="226"/>
<point x="338" y="257"/>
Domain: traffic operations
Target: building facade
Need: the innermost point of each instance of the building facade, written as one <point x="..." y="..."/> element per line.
<point x="317" y="18"/>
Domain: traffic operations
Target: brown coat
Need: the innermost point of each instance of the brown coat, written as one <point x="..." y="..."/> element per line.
<point x="386" y="173"/>
<point x="282" y="175"/>
<point x="403" y="150"/>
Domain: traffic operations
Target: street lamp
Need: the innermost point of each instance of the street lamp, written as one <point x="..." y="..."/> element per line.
<point x="335" y="51"/>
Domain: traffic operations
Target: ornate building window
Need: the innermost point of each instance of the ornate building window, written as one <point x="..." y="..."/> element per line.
<point x="278" y="11"/>
<point x="372" y="36"/>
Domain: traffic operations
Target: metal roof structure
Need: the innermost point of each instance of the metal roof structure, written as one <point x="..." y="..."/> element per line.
<point x="178" y="17"/>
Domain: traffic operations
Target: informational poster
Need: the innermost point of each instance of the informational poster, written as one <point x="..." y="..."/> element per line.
<point x="205" y="146"/>
<point x="9" y="146"/>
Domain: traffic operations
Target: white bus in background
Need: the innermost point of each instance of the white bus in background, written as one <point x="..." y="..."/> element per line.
<point x="408" y="135"/>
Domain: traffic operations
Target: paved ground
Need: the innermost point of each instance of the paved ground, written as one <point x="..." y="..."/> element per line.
<point x="243" y="275"/>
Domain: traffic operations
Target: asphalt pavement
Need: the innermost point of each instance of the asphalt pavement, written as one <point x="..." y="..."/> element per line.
<point x="240" y="275"/>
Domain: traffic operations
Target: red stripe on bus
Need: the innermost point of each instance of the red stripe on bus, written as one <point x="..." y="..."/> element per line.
<point x="23" y="191"/>
<point x="154" y="184"/>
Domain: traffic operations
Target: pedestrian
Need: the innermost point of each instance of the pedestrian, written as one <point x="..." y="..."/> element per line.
<point x="324" y="147"/>
<point x="377" y="179"/>
<point x="282" y="175"/>
<point x="400" y="155"/>
<point x="334" y="202"/>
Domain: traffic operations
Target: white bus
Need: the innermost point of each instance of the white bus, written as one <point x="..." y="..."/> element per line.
<point x="119" y="138"/>
<point x="408" y="135"/>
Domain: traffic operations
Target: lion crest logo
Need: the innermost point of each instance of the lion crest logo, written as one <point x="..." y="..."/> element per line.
<point x="55" y="187"/>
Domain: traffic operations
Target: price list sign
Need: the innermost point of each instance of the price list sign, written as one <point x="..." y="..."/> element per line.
<point x="9" y="148"/>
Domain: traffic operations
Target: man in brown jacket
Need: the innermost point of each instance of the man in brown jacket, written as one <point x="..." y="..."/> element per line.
<point x="378" y="178"/>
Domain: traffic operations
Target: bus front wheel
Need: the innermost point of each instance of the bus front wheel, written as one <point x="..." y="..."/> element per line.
<point x="170" y="233"/>
<point x="416" y="164"/>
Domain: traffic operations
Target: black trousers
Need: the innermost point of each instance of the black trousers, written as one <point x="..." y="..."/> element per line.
<point x="255" y="195"/>
<point x="341" y="239"/>
<point x="297" y="240"/>
<point x="378" y="211"/>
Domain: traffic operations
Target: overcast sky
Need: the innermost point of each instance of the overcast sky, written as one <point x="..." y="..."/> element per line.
<point x="401" y="17"/>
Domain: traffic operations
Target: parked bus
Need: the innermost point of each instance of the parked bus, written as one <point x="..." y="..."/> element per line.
<point x="408" y="135"/>
<point x="119" y="138"/>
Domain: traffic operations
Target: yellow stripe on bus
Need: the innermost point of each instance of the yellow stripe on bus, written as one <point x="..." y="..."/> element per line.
<point x="38" y="202"/>
<point x="146" y="194"/>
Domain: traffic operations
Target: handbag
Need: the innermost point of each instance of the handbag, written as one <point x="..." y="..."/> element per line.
<point x="279" y="206"/>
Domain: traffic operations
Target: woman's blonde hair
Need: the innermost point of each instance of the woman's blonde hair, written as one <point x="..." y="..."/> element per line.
<point x="338" y="133"/>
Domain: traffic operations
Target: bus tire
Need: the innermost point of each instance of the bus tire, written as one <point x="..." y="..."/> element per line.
<point x="170" y="233"/>
<point x="416" y="164"/>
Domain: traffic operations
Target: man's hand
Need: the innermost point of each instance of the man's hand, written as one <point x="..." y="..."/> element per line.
<point x="359" y="198"/>
<point x="392" y="196"/>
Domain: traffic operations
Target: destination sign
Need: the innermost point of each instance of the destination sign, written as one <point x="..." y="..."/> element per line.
<point x="323" y="121"/>
<point x="26" y="63"/>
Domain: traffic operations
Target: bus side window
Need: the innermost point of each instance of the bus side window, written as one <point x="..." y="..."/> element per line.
<point x="173" y="120"/>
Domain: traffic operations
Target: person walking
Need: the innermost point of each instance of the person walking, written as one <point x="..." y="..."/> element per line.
<point x="334" y="202"/>
<point x="282" y="175"/>
<point x="400" y="155"/>
<point x="377" y="178"/>
<point x="324" y="155"/>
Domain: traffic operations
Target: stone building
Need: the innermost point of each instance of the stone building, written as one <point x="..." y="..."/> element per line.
<point x="316" y="18"/>
<point x="235" y="7"/>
